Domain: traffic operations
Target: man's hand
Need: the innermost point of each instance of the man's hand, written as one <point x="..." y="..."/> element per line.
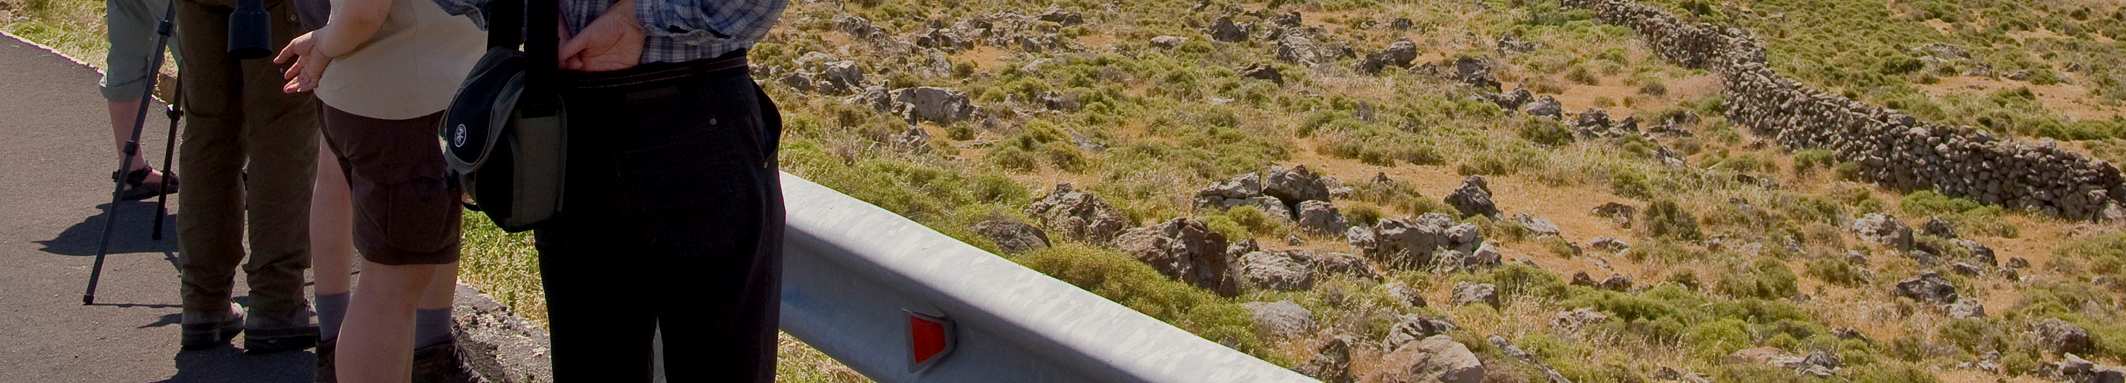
<point x="309" y="64"/>
<point x="612" y="42"/>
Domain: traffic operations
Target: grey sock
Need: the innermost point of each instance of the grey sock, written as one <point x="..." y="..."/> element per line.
<point x="331" y="311"/>
<point x="431" y="326"/>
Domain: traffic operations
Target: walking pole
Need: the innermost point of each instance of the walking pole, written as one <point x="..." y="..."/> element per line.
<point x="169" y="148"/>
<point x="132" y="148"/>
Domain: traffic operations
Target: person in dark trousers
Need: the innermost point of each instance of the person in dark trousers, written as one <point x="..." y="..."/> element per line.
<point x="673" y="215"/>
<point x="248" y="153"/>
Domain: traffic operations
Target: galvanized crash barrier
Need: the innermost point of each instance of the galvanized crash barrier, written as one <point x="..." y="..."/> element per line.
<point x="900" y="302"/>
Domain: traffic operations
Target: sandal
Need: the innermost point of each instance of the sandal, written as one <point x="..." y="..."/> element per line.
<point x="137" y="188"/>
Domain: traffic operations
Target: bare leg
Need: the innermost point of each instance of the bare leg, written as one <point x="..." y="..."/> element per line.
<point x="377" y="341"/>
<point x="122" y="115"/>
<point x="442" y="290"/>
<point x="331" y="226"/>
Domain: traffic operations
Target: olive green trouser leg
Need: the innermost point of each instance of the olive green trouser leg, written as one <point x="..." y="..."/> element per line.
<point x="249" y="154"/>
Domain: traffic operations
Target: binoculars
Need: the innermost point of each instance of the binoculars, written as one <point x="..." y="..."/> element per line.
<point x="250" y="31"/>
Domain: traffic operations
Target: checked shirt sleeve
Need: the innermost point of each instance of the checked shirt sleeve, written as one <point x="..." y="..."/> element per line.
<point x="728" y="23"/>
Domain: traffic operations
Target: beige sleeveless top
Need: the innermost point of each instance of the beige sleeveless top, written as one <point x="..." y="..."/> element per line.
<point x="410" y="68"/>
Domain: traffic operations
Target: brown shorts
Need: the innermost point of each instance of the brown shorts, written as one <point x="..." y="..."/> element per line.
<point x="406" y="211"/>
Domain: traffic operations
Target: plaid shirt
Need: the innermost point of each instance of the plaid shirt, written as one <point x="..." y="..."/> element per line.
<point x="675" y="30"/>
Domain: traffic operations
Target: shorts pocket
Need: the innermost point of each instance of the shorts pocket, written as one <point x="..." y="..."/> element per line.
<point x="418" y="215"/>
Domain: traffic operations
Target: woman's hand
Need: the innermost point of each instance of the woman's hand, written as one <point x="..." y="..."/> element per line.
<point x="612" y="42"/>
<point x="309" y="63"/>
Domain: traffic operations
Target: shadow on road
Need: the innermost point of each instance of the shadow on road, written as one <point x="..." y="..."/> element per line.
<point x="130" y="235"/>
<point x="228" y="364"/>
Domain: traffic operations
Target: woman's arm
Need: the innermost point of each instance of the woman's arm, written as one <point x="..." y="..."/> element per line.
<point x="351" y="26"/>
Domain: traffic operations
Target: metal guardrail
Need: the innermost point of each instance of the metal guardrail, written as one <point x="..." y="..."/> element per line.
<point x="855" y="276"/>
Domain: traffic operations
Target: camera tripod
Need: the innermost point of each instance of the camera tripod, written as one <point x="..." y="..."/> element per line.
<point x="132" y="149"/>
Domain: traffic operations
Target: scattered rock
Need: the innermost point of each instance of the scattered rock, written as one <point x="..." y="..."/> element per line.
<point x="2018" y="263"/>
<point x="1277" y="270"/>
<point x="914" y="139"/>
<point x="1401" y="23"/>
<point x="1332" y="361"/>
<point x="1577" y="319"/>
<point x="1514" y="44"/>
<point x="2059" y="336"/>
<point x="1967" y="308"/>
<point x="939" y="105"/>
<point x="1435" y="359"/>
<point x="1884" y="230"/>
<point x="1819" y="364"/>
<point x="1011" y="236"/>
<point x="1608" y="244"/>
<point x="1404" y="244"/>
<point x="1473" y="198"/>
<point x="1592" y="123"/>
<point x="944" y="39"/>
<point x="1078" y="215"/>
<point x="1281" y="319"/>
<point x="1965" y="269"/>
<point x="1512" y="101"/>
<point x="1225" y="30"/>
<point x="1616" y="282"/>
<point x="1320" y="217"/>
<point x="1672" y="374"/>
<point x="2074" y="369"/>
<point x="1515" y="352"/>
<point x="1536" y="227"/>
<point x="1476" y="73"/>
<point x="1413" y="328"/>
<point x="1472" y="293"/>
<point x="1398" y="54"/>
<point x="1262" y="72"/>
<point x="1168" y="41"/>
<point x="1929" y="287"/>
<point x="1341" y="263"/>
<point x="1298" y="49"/>
<point x="1938" y="227"/>
<point x="1544" y="107"/>
<point x="1616" y="212"/>
<point x="1296" y="184"/>
<point x="1403" y="293"/>
<point x="1183" y="249"/>
<point x="1059" y="16"/>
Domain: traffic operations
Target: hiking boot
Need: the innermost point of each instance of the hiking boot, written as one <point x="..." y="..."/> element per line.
<point x="439" y="363"/>
<point x="325" y="364"/>
<point x="266" y="333"/>
<point x="205" y="330"/>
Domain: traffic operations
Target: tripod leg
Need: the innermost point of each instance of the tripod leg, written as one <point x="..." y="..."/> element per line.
<point x="169" y="149"/>
<point x="132" y="148"/>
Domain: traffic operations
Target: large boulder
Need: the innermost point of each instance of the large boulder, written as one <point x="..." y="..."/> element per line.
<point x="1929" y="287"/>
<point x="1281" y="319"/>
<point x="1884" y="230"/>
<point x="1332" y="361"/>
<point x="1277" y="270"/>
<point x="939" y="105"/>
<point x="1296" y="184"/>
<point x="1320" y="217"/>
<point x="1435" y="359"/>
<point x="1184" y="249"/>
<point x="1012" y="236"/>
<point x="1398" y="54"/>
<point x="1536" y="226"/>
<point x="1345" y="264"/>
<point x="1473" y="198"/>
<point x="1411" y="244"/>
<point x="1475" y="72"/>
<point x="1484" y="257"/>
<point x="2059" y="336"/>
<point x="1078" y="215"/>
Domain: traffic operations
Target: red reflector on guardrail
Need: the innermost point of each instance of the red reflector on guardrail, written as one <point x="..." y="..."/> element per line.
<point x="929" y="339"/>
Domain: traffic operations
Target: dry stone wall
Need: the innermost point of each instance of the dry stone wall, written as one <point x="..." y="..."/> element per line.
<point x="1889" y="147"/>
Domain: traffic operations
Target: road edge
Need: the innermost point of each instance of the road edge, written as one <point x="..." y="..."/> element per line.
<point x="495" y="343"/>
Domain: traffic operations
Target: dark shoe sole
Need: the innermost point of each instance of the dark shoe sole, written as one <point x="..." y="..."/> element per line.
<point x="201" y="336"/>
<point x="267" y="341"/>
<point x="440" y="363"/>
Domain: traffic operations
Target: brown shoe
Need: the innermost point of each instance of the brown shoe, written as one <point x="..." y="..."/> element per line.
<point x="326" y="372"/>
<point x="205" y="330"/>
<point x="438" y="363"/>
<point x="266" y="333"/>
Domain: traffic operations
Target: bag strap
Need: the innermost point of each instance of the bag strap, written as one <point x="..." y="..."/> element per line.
<point x="507" y="21"/>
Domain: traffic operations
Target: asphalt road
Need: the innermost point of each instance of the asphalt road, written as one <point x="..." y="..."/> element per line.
<point x="55" y="164"/>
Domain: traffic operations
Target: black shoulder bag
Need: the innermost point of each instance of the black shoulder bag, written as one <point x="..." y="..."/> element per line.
<point x="506" y="132"/>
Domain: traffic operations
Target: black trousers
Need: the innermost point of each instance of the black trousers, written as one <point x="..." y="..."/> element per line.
<point x="672" y="217"/>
